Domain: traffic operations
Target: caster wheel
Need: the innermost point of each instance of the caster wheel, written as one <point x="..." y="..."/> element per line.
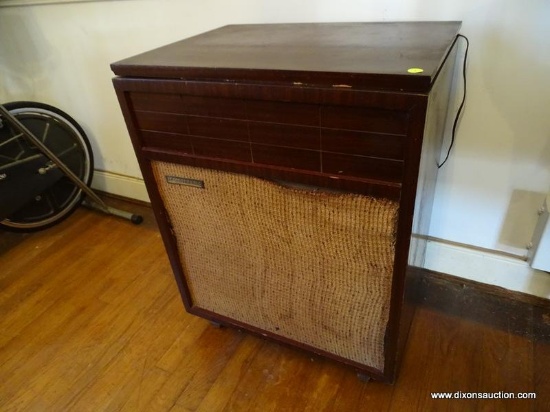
<point x="136" y="219"/>
<point x="363" y="377"/>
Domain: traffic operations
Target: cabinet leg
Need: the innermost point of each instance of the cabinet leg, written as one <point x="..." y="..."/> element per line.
<point x="216" y="324"/>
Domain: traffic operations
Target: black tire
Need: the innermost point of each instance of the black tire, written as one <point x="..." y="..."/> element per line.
<point x="66" y="139"/>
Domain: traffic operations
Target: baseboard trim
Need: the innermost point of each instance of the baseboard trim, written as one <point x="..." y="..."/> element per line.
<point x="487" y="267"/>
<point x="121" y="185"/>
<point x="421" y="275"/>
<point x="511" y="311"/>
<point x="24" y="3"/>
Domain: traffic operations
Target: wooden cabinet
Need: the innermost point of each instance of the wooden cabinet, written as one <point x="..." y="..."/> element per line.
<point x="291" y="168"/>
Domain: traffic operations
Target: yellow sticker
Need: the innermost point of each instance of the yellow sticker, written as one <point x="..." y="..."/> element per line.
<point x="415" y="70"/>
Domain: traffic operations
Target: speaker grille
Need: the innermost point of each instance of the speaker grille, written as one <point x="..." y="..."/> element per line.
<point x="315" y="267"/>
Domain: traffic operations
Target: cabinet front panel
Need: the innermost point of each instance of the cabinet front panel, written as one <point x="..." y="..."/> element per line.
<point x="191" y="105"/>
<point x="385" y="146"/>
<point x="362" y="166"/>
<point x="362" y="119"/>
<point x="357" y="142"/>
<point x="168" y="141"/>
<point x="311" y="266"/>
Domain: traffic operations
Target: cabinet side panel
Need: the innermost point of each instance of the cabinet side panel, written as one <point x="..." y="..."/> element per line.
<point x="300" y="264"/>
<point x="434" y="129"/>
<point x="426" y="131"/>
<point x="434" y="132"/>
<point x="156" y="201"/>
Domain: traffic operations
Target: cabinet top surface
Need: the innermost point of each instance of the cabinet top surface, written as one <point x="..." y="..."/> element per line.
<point x="374" y="56"/>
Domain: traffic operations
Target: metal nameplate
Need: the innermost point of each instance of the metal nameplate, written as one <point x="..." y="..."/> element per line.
<point x="185" y="181"/>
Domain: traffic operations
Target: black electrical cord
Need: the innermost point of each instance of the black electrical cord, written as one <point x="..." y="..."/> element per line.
<point x="458" y="113"/>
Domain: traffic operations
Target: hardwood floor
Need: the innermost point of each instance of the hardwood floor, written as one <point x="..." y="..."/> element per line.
<point x="91" y="320"/>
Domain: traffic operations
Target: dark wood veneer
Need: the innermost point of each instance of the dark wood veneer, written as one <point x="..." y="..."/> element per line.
<point x="362" y="166"/>
<point x="283" y="112"/>
<point x="328" y="105"/>
<point x="372" y="56"/>
<point x="287" y="157"/>
<point x="276" y="134"/>
<point x="192" y="105"/>
<point x="360" y="119"/>
<point x="170" y="141"/>
<point x="325" y="138"/>
<point x="364" y="186"/>
<point x="161" y="122"/>
<point x="365" y="144"/>
<point x="218" y="128"/>
<point x="223" y="149"/>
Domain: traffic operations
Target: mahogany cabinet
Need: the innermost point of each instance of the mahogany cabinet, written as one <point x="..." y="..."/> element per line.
<point x="291" y="168"/>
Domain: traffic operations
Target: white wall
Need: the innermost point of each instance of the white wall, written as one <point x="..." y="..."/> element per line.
<point x="488" y="192"/>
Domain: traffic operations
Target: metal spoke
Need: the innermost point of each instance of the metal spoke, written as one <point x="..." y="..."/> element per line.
<point x="7" y="157"/>
<point x="11" y="139"/>
<point x="46" y="131"/>
<point x="16" y="162"/>
<point x="21" y="153"/>
<point x="66" y="151"/>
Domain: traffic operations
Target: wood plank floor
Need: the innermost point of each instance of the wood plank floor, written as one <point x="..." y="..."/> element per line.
<point x="91" y="320"/>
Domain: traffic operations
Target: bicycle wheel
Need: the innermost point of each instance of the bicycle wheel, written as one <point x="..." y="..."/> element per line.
<point x="66" y="139"/>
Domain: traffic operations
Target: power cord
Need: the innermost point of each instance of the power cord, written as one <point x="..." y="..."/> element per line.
<point x="458" y="113"/>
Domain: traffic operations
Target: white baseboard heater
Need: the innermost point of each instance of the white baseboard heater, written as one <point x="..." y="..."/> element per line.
<point x="539" y="256"/>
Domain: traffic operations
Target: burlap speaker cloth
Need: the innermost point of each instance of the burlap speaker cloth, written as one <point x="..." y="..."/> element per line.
<point x="315" y="267"/>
